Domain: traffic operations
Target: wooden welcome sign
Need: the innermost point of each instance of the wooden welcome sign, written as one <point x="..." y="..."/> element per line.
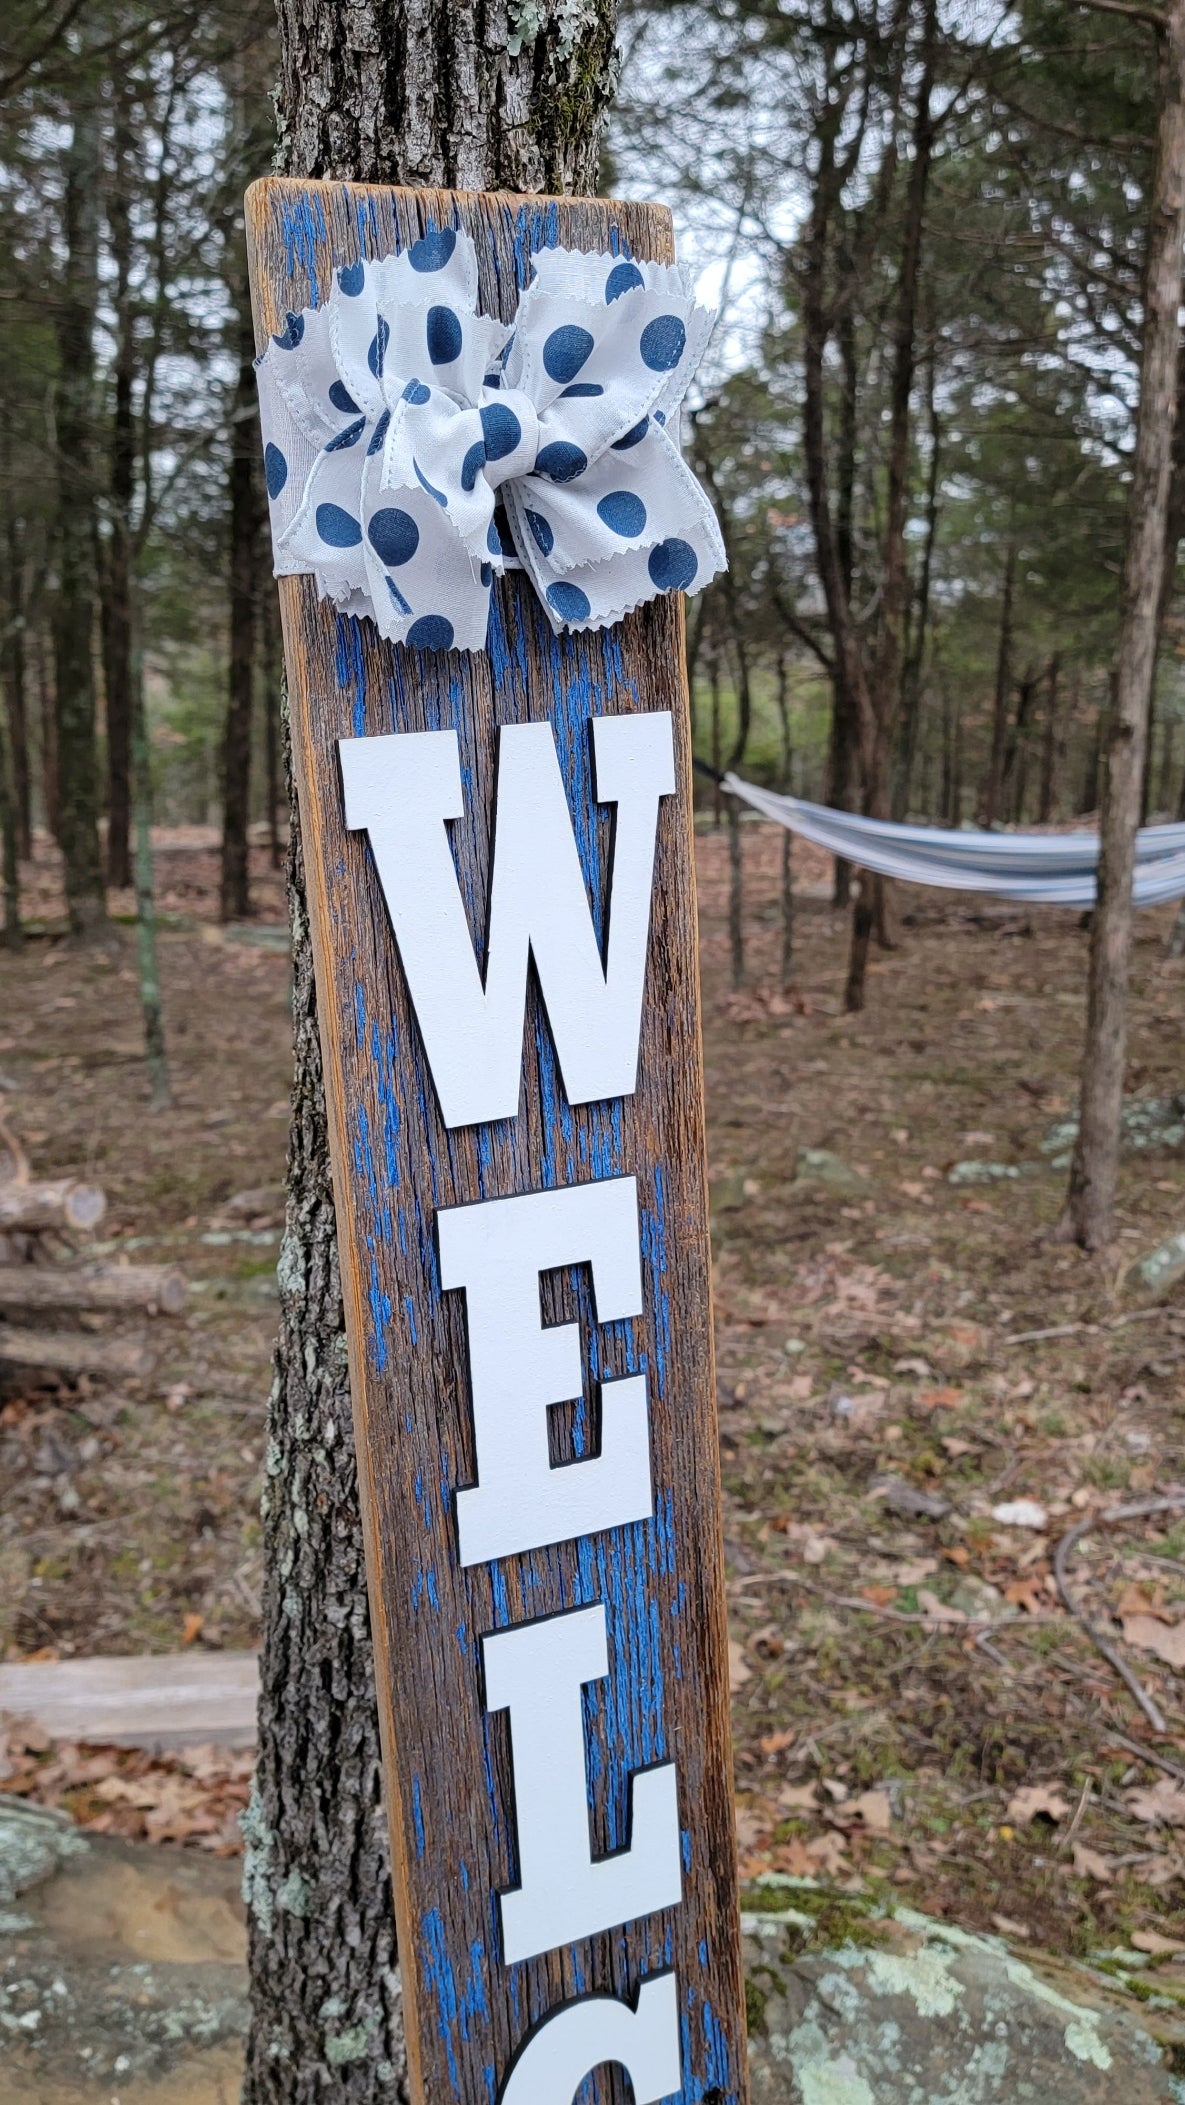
<point x="498" y="850"/>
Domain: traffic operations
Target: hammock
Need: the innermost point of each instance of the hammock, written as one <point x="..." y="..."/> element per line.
<point x="1044" y="869"/>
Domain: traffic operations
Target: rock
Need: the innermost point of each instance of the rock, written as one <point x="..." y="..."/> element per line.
<point x="849" y="2005"/>
<point x="905" y="1499"/>
<point x="1162" y="1267"/>
<point x="1145" y="1122"/>
<point x="816" y="1166"/>
<point x="1021" y="1513"/>
<point x="123" y="1975"/>
<point x="33" y="1843"/>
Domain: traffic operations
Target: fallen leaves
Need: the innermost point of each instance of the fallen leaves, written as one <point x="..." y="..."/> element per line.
<point x="1161" y="1803"/>
<point x="194" y="1796"/>
<point x="1037" y="1801"/>
<point x="1149" y="1634"/>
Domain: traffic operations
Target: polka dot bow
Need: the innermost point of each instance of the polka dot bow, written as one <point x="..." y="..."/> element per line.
<point x="414" y="448"/>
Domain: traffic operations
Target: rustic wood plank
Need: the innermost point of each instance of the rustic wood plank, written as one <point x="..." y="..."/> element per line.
<point x="448" y="1773"/>
<point x="181" y="1699"/>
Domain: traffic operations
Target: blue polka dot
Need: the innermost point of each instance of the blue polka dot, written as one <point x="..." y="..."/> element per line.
<point x="379" y="433"/>
<point x="583" y="387"/>
<point x="378" y="348"/>
<point x="339" y="529"/>
<point x="494" y="539"/>
<point x="486" y="575"/>
<point x="444" y="340"/>
<point x="473" y="464"/>
<point x="569" y="602"/>
<point x="275" y="469"/>
<point x="492" y="380"/>
<point x="662" y="343"/>
<point x="432" y="250"/>
<point x="424" y="483"/>
<point x="622" y="278"/>
<point x="394" y="536"/>
<point x="397" y="596"/>
<point x="566" y="350"/>
<point x="672" y="565"/>
<point x="341" y="398"/>
<point x="431" y="633"/>
<point x="561" y="462"/>
<point x="541" y="532"/>
<point x="292" y="332"/>
<point x="501" y="429"/>
<point x="632" y="438"/>
<point x="349" y="437"/>
<point x="415" y="391"/>
<point x="623" y="512"/>
<point x="352" y="277"/>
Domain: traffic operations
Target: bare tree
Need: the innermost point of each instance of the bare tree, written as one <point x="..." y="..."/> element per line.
<point x="1089" y="1216"/>
<point x="406" y="91"/>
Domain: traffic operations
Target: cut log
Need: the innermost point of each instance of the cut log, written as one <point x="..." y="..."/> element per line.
<point x="158" y="1287"/>
<point x="73" y="1352"/>
<point x="63" y="1203"/>
<point x="157" y="1701"/>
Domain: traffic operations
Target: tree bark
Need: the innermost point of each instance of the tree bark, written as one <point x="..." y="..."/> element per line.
<point x="77" y="756"/>
<point x="1090" y="1202"/>
<point x="413" y="91"/>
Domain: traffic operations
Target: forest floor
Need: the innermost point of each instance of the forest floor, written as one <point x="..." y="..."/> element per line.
<point x="914" y="1702"/>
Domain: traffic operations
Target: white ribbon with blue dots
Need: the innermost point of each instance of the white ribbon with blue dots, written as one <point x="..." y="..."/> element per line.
<point x="415" y="448"/>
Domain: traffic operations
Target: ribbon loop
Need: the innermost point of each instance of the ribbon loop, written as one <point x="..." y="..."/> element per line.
<point x="394" y="414"/>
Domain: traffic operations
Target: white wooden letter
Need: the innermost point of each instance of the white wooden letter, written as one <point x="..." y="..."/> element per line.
<point x="537" y="1671"/>
<point x="580" y="2036"/>
<point x="402" y="789"/>
<point x="497" y="1250"/>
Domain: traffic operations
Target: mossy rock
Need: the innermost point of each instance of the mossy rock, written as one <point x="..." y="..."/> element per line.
<point x="855" y="2002"/>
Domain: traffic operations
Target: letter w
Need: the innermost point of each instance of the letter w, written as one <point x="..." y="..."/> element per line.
<point x="402" y="789"/>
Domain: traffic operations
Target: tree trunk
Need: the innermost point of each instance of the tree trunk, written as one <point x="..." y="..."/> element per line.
<point x="736" y="896"/>
<point x="1090" y="1201"/>
<point x="911" y="684"/>
<point x="1012" y="786"/>
<point x="77" y="756"/>
<point x="245" y="528"/>
<point x="9" y="849"/>
<point x="842" y="748"/>
<point x="415" y="91"/>
<point x="117" y="597"/>
<point x="1049" y="743"/>
<point x="48" y="717"/>
<point x="990" y="804"/>
<point x="871" y="911"/>
<point x="273" y="674"/>
<point x="787" y="837"/>
<point x="15" y="669"/>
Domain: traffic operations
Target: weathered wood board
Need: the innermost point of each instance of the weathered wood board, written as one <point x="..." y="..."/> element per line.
<point x="460" y="1840"/>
